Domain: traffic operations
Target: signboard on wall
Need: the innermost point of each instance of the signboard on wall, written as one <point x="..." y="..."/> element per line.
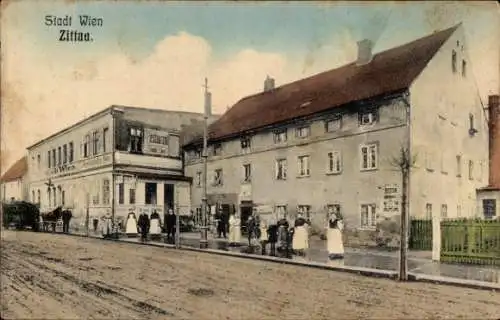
<point x="155" y="142"/>
<point x="392" y="199"/>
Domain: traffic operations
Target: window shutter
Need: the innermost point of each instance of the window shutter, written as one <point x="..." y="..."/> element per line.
<point x="276" y="169"/>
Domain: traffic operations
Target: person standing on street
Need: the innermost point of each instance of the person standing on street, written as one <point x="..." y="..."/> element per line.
<point x="335" y="245"/>
<point x="144" y="225"/>
<point x="234" y="230"/>
<point x="170" y="221"/>
<point x="272" y="234"/>
<point x="263" y="237"/>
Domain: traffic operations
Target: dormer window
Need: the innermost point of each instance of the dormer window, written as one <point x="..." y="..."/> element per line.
<point x="217" y="149"/>
<point x="245" y="144"/>
<point x="302" y="132"/>
<point x="332" y="125"/>
<point x="367" y="118"/>
<point x="454" y="61"/>
<point x="280" y="136"/>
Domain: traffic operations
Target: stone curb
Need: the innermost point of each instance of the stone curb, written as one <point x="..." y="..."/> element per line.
<point x="464" y="283"/>
<point x="369" y="272"/>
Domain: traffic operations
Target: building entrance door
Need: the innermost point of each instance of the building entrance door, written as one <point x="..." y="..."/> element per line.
<point x="246" y="211"/>
<point x="168" y="197"/>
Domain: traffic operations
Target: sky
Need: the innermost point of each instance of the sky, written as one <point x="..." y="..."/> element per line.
<point x="156" y="54"/>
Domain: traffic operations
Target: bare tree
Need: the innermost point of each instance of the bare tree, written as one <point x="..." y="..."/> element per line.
<point x="403" y="163"/>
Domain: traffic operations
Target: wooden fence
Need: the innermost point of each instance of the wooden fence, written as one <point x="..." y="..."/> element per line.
<point x="470" y="241"/>
<point x="420" y="234"/>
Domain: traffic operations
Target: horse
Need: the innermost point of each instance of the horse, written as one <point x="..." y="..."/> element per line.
<point x="51" y="218"/>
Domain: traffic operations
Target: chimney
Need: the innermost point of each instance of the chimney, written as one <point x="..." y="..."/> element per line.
<point x="494" y="140"/>
<point x="364" y="52"/>
<point x="268" y="84"/>
<point x="208" y="103"/>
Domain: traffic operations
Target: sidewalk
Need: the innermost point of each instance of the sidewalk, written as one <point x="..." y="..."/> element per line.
<point x="418" y="262"/>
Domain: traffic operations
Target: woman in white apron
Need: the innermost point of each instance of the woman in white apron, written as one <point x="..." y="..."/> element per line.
<point x="234" y="230"/>
<point x="300" y="242"/>
<point x="335" y="245"/>
<point x="155" y="229"/>
<point x="131" y="226"/>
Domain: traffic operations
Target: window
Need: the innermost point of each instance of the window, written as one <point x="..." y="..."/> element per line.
<point x="49" y="196"/>
<point x="105" y="138"/>
<point x="368" y="216"/>
<point x="444" y="211"/>
<point x="305" y="211"/>
<point x="121" y="193"/>
<point x="489" y="208"/>
<point x="217" y="149"/>
<point x="63" y="197"/>
<point x="464" y="68"/>
<point x="150" y="193"/>
<point x="49" y="163"/>
<point x="471" y="169"/>
<point x="38" y="196"/>
<point x="95" y="197"/>
<point x="33" y="196"/>
<point x="71" y="152"/>
<point x="280" y="136"/>
<point x="247" y="172"/>
<point x="281" y="211"/>
<point x="38" y="160"/>
<point x="428" y="211"/>
<point x="217" y="177"/>
<point x="245" y="144"/>
<point x="135" y="140"/>
<point x="198" y="178"/>
<point x="55" y="196"/>
<point x="459" y="166"/>
<point x="333" y="125"/>
<point x="334" y="162"/>
<point x="367" y="118"/>
<point x="95" y="143"/>
<point x="105" y="191"/>
<point x="156" y="139"/>
<point x="303" y="166"/>
<point x="369" y="157"/>
<point x="54" y="163"/>
<point x="59" y="156"/>
<point x="131" y="195"/>
<point x="86" y="146"/>
<point x="281" y="168"/>
<point x="333" y="208"/>
<point x="454" y="61"/>
<point x="302" y="132"/>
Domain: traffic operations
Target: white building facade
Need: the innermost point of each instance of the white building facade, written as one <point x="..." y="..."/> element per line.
<point x="328" y="143"/>
<point x="136" y="151"/>
<point x="13" y="184"/>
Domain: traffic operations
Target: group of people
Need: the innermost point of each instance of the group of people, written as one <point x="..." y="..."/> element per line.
<point x="151" y="225"/>
<point x="282" y="237"/>
<point x="145" y="225"/>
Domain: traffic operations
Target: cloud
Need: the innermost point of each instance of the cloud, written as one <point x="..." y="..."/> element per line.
<point x="51" y="93"/>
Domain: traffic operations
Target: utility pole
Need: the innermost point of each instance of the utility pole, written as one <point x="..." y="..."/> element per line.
<point x="405" y="166"/>
<point x="204" y="206"/>
<point x="177" y="220"/>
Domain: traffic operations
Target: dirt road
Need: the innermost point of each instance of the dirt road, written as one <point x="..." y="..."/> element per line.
<point x="46" y="276"/>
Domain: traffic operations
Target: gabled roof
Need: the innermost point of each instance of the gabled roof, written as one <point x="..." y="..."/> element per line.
<point x="17" y="171"/>
<point x="388" y="72"/>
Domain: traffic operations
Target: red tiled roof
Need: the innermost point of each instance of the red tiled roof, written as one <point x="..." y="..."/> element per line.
<point x="18" y="170"/>
<point x="389" y="71"/>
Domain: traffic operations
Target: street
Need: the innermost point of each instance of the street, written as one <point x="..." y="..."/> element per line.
<point x="58" y="276"/>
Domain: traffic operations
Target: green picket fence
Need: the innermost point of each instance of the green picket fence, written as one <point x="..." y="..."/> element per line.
<point x="470" y="241"/>
<point x="420" y="234"/>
